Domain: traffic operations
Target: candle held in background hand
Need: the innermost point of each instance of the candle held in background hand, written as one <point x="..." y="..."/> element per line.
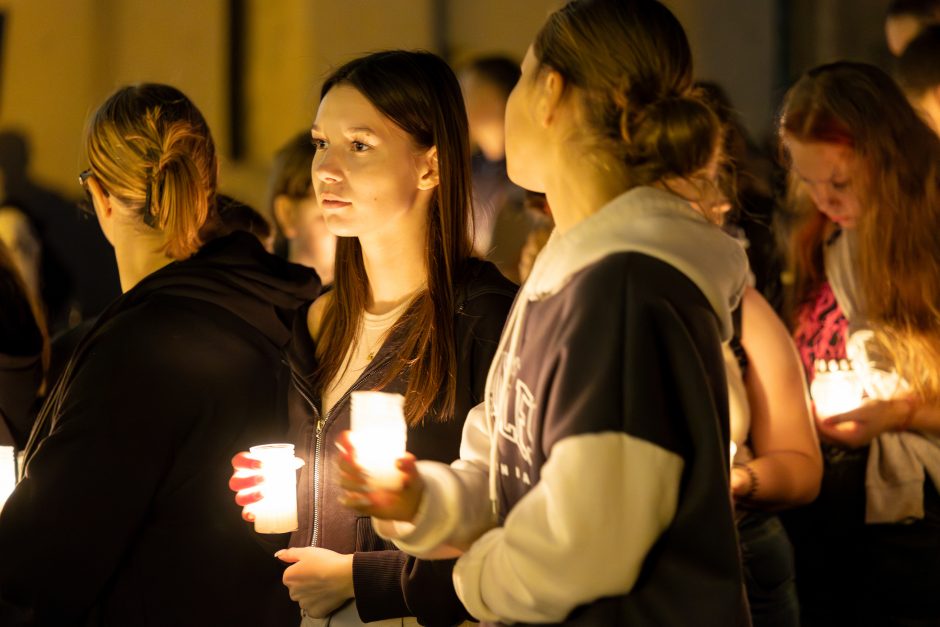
<point x="378" y="433"/>
<point x="836" y="388"/>
<point x="7" y="473"/>
<point x="276" y="512"/>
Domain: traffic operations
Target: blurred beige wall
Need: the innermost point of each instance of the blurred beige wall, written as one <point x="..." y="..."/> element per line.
<point x="495" y="26"/>
<point x="63" y="57"/>
<point x="734" y="43"/>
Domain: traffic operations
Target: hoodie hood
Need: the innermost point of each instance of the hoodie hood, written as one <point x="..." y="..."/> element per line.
<point x="236" y="272"/>
<point x="656" y="223"/>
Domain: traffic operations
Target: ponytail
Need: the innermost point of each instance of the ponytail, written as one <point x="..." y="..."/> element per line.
<point x="152" y="149"/>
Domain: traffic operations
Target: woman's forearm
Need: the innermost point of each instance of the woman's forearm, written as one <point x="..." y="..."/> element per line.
<point x="783" y="479"/>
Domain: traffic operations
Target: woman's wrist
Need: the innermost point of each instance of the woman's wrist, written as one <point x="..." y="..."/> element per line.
<point x="752" y="481"/>
<point x="906" y="409"/>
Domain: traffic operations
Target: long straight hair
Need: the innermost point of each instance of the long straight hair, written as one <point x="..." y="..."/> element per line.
<point x="859" y="106"/>
<point x="420" y="94"/>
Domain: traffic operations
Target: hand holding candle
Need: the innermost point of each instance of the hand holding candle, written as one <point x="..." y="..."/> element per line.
<point x="266" y="483"/>
<point x="378" y="433"/>
<point x="390" y="504"/>
<point x="7" y="473"/>
<point x="836" y="388"/>
<point x="860" y="426"/>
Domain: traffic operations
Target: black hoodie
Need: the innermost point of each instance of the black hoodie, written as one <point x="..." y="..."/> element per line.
<point x="124" y="516"/>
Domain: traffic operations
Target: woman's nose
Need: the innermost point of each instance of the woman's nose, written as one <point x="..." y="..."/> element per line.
<point x="325" y="167"/>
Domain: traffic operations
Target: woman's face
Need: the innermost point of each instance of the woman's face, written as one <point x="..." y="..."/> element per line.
<point x="830" y="174"/>
<point x="367" y="172"/>
<point x="524" y="144"/>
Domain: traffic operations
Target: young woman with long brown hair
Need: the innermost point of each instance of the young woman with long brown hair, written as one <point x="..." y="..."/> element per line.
<point x="410" y="312"/>
<point x="865" y="178"/>
<point x="592" y="487"/>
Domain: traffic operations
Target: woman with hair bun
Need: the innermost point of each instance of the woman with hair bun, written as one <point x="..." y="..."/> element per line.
<point x="592" y="487"/>
<point x="123" y="509"/>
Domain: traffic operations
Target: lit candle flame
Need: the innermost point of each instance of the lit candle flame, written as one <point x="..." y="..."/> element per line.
<point x="836" y="388"/>
<point x="378" y="432"/>
<point x="7" y="473"/>
<point x="276" y="512"/>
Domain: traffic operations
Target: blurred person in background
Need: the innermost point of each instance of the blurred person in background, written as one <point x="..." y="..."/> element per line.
<point x="79" y="278"/>
<point x="124" y="502"/>
<point x="302" y="234"/>
<point x="750" y="216"/>
<point x="24" y="351"/>
<point x="918" y="73"/>
<point x="536" y="204"/>
<point x="501" y="222"/>
<point x="905" y="20"/>
<point x="23" y="245"/>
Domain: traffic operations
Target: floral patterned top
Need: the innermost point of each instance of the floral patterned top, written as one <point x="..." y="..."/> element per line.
<point x="821" y="330"/>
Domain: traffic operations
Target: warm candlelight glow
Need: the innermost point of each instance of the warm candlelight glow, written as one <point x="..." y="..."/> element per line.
<point x="276" y="512"/>
<point x="836" y="388"/>
<point x="7" y="473"/>
<point x="378" y="432"/>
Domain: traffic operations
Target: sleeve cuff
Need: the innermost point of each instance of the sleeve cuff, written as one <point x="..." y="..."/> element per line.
<point x="377" y="584"/>
<point x="436" y="518"/>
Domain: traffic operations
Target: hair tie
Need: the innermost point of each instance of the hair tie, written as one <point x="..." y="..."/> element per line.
<point x="149" y="218"/>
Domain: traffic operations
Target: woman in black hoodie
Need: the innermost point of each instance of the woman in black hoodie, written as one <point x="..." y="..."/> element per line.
<point x="410" y="312"/>
<point x="123" y="506"/>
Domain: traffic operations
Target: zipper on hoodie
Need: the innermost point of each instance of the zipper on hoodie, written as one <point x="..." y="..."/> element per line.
<point x="299" y="385"/>
<point x="318" y="448"/>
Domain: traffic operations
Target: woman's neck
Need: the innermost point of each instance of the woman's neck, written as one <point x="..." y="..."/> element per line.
<point x="578" y="187"/>
<point x="138" y="255"/>
<point x="396" y="268"/>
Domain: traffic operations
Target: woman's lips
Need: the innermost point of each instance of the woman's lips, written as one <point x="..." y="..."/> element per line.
<point x="334" y="204"/>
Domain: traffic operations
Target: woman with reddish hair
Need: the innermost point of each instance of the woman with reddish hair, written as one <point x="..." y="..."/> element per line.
<point x="866" y="188"/>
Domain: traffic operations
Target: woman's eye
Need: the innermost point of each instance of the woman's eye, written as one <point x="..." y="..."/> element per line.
<point x="840" y="186"/>
<point x="360" y="147"/>
<point x="319" y="144"/>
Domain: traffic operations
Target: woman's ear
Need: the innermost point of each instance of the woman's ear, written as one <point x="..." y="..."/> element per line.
<point x="429" y="175"/>
<point x="551" y="89"/>
<point x="99" y="198"/>
<point x="101" y="201"/>
<point x="285" y="214"/>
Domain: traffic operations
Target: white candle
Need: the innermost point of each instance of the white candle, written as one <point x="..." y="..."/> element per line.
<point x="7" y="473"/>
<point x="378" y="432"/>
<point x="276" y="512"/>
<point x="836" y="389"/>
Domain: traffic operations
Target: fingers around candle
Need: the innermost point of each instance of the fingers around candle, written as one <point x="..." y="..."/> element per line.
<point x="247" y="497"/>
<point x="244" y="461"/>
<point x="345" y="445"/>
<point x="242" y="482"/>
<point x="356" y="501"/>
